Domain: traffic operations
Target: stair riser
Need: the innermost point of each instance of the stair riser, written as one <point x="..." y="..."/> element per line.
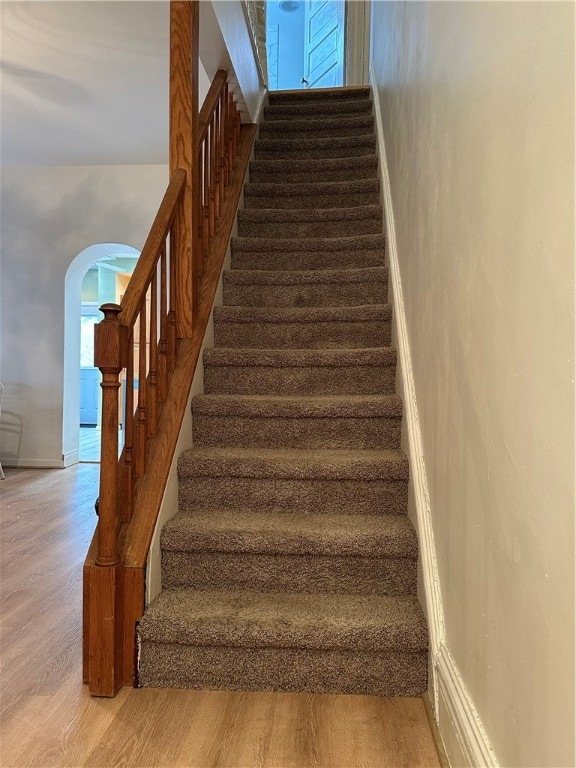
<point x="303" y="202"/>
<point x="289" y="573"/>
<point x="318" y="96"/>
<point x="320" y="380"/>
<point x="284" y="261"/>
<point x="319" y="496"/>
<point x="245" y="432"/>
<point x="332" y="228"/>
<point x="320" y="335"/>
<point x="306" y="153"/>
<point x="283" y="669"/>
<point x="330" y="109"/>
<point x="358" y="173"/>
<point x="318" y="295"/>
<point x="293" y="130"/>
<point x="306" y="203"/>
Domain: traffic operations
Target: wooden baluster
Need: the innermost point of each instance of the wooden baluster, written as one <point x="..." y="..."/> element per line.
<point x="163" y="342"/>
<point x="141" y="430"/>
<point x="206" y="199"/>
<point x="184" y="24"/>
<point x="212" y="190"/>
<point x="238" y="127"/>
<point x="231" y="132"/>
<point x="153" y="359"/>
<point x="225" y="168"/>
<point x="172" y="334"/>
<point x="105" y="603"/>
<point x="217" y="168"/>
<point x="128" y="427"/>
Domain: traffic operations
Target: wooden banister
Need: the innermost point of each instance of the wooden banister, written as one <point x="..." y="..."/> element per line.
<point x="147" y="263"/>
<point x="147" y="348"/>
<point x="210" y="102"/>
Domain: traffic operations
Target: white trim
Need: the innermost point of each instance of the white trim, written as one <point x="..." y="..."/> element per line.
<point x="262" y="101"/>
<point x="418" y="479"/>
<point x="34" y="463"/>
<point x="71" y="457"/>
<point x="462" y="732"/>
<point x="463" y="720"/>
<point x="357" y="35"/>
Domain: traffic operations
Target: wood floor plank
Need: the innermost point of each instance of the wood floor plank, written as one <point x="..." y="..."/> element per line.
<point x="48" y="719"/>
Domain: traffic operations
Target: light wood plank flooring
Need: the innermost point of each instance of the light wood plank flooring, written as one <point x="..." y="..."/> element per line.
<point x="89" y="443"/>
<point x="48" y="719"/>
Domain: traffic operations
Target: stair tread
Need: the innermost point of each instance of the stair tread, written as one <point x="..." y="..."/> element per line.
<point x="304" y="143"/>
<point x="248" y="531"/>
<point x="314" y="164"/>
<point x="338" y="123"/>
<point x="295" y="463"/>
<point x="299" y="406"/>
<point x="285" y="620"/>
<point x="325" y="107"/>
<point x="315" y="188"/>
<point x="309" y="245"/>
<point x="299" y="357"/>
<point x="304" y="276"/>
<point x="269" y="215"/>
<point x="319" y="94"/>
<point x="361" y="313"/>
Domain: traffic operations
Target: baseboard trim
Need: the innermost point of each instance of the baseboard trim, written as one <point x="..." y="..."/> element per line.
<point x="418" y="478"/>
<point x="33" y="463"/>
<point x="71" y="457"/>
<point x="463" y="734"/>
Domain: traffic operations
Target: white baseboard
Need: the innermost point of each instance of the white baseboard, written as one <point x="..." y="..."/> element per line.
<point x="418" y="479"/>
<point x="71" y="457"/>
<point x="21" y="463"/>
<point x="463" y="734"/>
<point x="458" y="721"/>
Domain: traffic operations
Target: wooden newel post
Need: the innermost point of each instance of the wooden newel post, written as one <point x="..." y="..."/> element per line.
<point x="107" y="357"/>
<point x="105" y="670"/>
<point x="184" y="26"/>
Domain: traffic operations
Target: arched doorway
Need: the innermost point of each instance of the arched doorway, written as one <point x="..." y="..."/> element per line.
<point x="101" y="252"/>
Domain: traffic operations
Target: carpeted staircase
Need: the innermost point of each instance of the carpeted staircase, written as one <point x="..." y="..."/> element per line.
<point x="291" y="564"/>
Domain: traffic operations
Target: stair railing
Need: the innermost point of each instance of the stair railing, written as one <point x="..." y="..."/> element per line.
<point x="137" y="343"/>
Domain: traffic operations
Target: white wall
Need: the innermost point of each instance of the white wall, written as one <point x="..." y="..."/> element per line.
<point x="477" y="106"/>
<point x="49" y="215"/>
<point x="226" y="43"/>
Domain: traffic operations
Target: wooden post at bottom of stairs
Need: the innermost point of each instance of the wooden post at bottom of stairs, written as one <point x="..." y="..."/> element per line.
<point x="105" y="662"/>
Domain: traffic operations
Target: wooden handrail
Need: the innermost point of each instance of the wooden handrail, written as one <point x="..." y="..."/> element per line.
<point x="148" y="345"/>
<point x="210" y="103"/>
<point x="147" y="263"/>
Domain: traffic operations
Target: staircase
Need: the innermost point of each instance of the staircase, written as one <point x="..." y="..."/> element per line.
<point x="291" y="564"/>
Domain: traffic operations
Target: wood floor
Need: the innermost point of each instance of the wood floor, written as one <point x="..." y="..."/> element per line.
<point x="48" y="719"/>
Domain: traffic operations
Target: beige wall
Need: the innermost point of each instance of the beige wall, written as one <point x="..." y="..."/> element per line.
<point x="478" y="113"/>
<point x="48" y="216"/>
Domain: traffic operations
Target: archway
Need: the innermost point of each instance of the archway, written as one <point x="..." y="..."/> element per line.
<point x="72" y="313"/>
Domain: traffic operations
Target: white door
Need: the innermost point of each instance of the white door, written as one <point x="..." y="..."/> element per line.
<point x="90" y="376"/>
<point x="324" y="43"/>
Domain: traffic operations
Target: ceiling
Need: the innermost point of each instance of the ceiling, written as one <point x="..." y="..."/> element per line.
<point x="84" y="83"/>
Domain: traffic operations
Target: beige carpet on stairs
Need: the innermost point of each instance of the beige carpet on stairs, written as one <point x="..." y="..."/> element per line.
<point x="291" y="563"/>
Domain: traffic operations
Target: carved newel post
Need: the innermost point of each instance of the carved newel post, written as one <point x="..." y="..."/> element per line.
<point x="105" y="661"/>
